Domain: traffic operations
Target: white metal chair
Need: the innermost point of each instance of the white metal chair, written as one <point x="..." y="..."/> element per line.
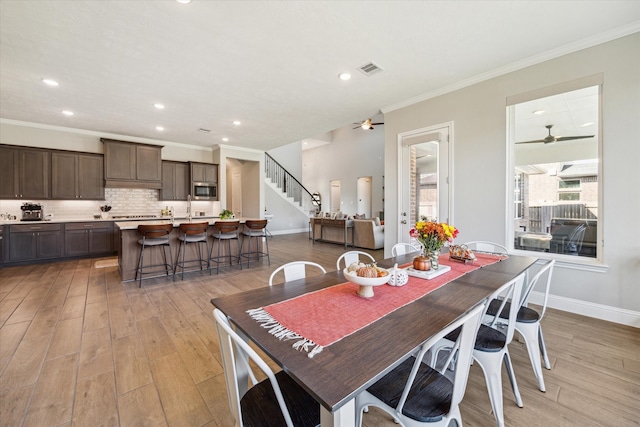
<point x="294" y="270"/>
<point x="528" y="321"/>
<point x="414" y="393"/>
<point x="351" y="257"/>
<point x="275" y="401"/>
<point x="487" y="247"/>
<point x="404" y="248"/>
<point x="491" y="346"/>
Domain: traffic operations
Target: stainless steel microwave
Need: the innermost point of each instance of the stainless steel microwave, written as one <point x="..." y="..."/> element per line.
<point x="205" y="191"/>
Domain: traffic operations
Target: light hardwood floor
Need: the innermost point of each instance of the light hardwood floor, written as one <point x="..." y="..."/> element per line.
<point x="78" y="347"/>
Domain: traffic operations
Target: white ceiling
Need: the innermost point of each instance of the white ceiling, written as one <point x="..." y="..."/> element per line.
<point x="273" y="65"/>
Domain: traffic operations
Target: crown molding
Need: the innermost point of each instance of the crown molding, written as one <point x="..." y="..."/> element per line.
<point x="598" y="39"/>
<point x="107" y="135"/>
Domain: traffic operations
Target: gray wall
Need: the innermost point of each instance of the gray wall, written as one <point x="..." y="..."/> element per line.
<point x="479" y="177"/>
<point x="353" y="153"/>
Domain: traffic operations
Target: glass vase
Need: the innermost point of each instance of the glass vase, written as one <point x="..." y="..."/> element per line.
<point x="433" y="258"/>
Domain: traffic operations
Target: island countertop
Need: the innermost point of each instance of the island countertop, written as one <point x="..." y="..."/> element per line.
<point x="133" y="225"/>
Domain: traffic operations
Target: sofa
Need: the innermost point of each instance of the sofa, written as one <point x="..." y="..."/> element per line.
<point x="368" y="233"/>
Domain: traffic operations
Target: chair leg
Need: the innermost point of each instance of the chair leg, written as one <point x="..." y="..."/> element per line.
<point x="543" y="348"/>
<point x="266" y="242"/>
<point x="140" y="264"/>
<point x="512" y="379"/>
<point x="529" y="332"/>
<point x="491" y="365"/>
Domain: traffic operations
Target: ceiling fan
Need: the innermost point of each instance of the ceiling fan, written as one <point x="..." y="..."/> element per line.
<point x="366" y="125"/>
<point x="550" y="138"/>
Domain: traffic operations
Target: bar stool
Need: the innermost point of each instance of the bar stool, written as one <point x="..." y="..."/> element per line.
<point x="254" y="228"/>
<point x="224" y="230"/>
<point x="154" y="236"/>
<point x="192" y="233"/>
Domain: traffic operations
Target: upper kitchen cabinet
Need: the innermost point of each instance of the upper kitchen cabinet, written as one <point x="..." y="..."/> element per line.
<point x="175" y="181"/>
<point x="24" y="173"/>
<point x="132" y="165"/>
<point x="77" y="176"/>
<point x="204" y="172"/>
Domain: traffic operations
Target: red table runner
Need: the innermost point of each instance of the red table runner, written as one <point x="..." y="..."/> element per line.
<point x="319" y="319"/>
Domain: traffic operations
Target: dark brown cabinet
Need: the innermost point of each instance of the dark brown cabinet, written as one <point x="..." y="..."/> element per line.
<point x="175" y="181"/>
<point x="35" y="242"/>
<point x="131" y="165"/>
<point x="88" y="238"/>
<point x="24" y="173"/>
<point x="77" y="176"/>
<point x="204" y="172"/>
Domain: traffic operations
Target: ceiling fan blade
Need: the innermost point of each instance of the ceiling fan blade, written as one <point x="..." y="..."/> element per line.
<point x="530" y="142"/>
<point x="568" y="138"/>
<point x="377" y="123"/>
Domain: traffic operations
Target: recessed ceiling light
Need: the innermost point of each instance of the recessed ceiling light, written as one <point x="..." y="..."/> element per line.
<point x="586" y="124"/>
<point x="50" y="82"/>
<point x="538" y="112"/>
<point x="184" y="1"/>
<point x="159" y="106"/>
<point x="344" y="76"/>
<point x="225" y="139"/>
<point x="67" y="113"/>
<point x="237" y="122"/>
<point x="159" y="128"/>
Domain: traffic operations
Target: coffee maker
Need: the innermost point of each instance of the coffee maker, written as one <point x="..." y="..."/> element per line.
<point x="31" y="212"/>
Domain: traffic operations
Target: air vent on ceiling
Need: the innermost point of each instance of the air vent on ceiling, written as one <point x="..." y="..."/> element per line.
<point x="370" y="69"/>
<point x="203" y="130"/>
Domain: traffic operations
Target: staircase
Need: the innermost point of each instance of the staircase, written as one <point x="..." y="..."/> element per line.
<point x="285" y="184"/>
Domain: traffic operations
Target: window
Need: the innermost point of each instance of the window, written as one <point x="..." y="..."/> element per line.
<point x="554" y="150"/>
<point x="518" y="195"/>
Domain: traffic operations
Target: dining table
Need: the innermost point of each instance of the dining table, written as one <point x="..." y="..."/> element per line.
<point x="337" y="374"/>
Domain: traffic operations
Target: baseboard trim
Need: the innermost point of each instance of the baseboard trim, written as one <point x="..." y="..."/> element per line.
<point x="589" y="309"/>
<point x="294" y="231"/>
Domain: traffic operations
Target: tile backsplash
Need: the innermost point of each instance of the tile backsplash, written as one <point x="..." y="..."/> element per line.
<point x="123" y="201"/>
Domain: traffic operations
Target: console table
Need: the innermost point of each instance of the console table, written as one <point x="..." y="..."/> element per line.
<point x="344" y="224"/>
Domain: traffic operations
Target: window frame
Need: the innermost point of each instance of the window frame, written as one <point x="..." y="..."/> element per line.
<point x="581" y="263"/>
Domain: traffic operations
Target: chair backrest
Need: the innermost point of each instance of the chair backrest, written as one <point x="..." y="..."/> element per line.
<point x="224" y="226"/>
<point x="149" y="231"/>
<point x="255" y="224"/>
<point x="404" y="248"/>
<point x="546" y="270"/>
<point x="351" y="257"/>
<point x="191" y="228"/>
<point x="237" y="369"/>
<point x="463" y="348"/>
<point x="509" y="292"/>
<point x="294" y="270"/>
<point x="489" y="247"/>
<point x="574" y="244"/>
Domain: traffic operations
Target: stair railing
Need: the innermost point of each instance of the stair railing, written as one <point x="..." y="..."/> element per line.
<point x="290" y="185"/>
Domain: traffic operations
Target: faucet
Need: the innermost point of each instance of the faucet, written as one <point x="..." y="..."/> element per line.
<point x="189" y="207"/>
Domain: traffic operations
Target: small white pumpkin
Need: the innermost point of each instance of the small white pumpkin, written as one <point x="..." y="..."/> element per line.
<point x="398" y="276"/>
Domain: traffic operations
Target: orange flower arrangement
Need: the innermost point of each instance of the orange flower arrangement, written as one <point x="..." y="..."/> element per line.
<point x="432" y="235"/>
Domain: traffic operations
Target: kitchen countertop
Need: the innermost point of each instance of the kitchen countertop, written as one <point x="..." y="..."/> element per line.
<point x="132" y="225"/>
<point x="91" y="219"/>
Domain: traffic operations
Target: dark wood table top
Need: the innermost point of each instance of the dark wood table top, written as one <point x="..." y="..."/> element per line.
<point x="343" y="369"/>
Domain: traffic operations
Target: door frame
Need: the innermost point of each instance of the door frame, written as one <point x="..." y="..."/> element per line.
<point x="402" y="236"/>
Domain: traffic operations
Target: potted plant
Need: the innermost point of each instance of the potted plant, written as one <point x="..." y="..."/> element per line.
<point x="226" y="214"/>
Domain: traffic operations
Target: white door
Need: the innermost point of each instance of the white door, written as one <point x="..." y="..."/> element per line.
<point x="363" y="193"/>
<point x="236" y="192"/>
<point x="424" y="177"/>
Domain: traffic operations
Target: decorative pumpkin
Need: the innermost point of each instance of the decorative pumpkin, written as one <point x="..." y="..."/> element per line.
<point x="398" y="276"/>
<point x="367" y="272"/>
<point x="422" y="263"/>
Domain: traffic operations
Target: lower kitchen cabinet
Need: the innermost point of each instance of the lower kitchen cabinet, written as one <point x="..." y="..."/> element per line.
<point x="35" y="242"/>
<point x="88" y="238"/>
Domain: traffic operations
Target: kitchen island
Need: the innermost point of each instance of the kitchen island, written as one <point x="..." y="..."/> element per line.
<point x="129" y="248"/>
